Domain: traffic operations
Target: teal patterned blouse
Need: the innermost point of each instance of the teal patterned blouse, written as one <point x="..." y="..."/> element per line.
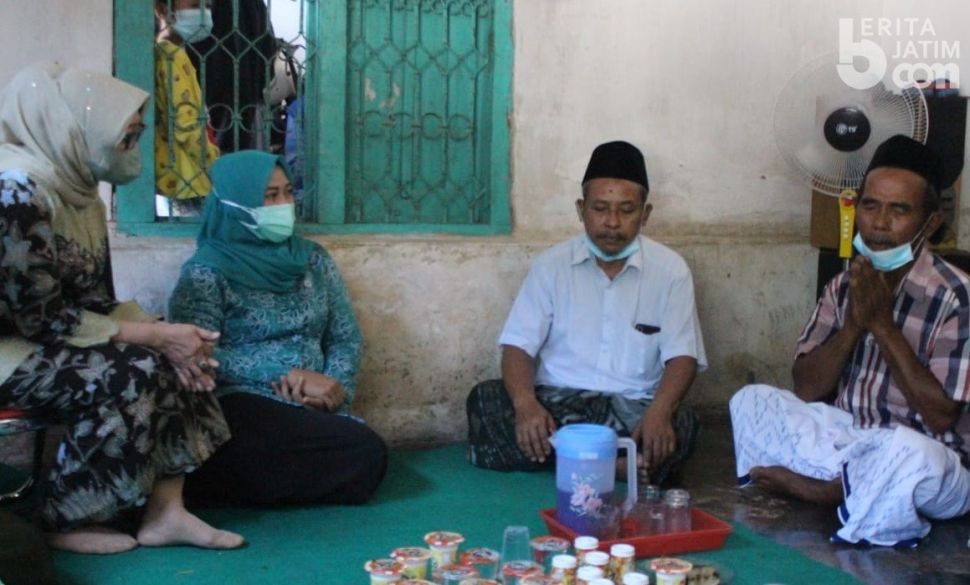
<point x="264" y="334"/>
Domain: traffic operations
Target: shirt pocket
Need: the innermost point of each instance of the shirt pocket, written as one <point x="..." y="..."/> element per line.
<point x="640" y="352"/>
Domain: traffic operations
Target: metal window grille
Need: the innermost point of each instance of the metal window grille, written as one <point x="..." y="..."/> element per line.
<point x="419" y="78"/>
<point x="237" y="88"/>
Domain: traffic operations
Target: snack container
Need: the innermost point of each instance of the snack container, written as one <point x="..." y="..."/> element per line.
<point x="670" y="571"/>
<point x="514" y="571"/>
<point x="564" y="569"/>
<point x="486" y="560"/>
<point x="444" y="547"/>
<point x="540" y="580"/>
<point x="546" y="547"/>
<point x="583" y="545"/>
<point x="597" y="558"/>
<point x="622" y="560"/>
<point x="453" y="574"/>
<point x="415" y="560"/>
<point x="632" y="578"/>
<point x="384" y="571"/>
<point x="587" y="573"/>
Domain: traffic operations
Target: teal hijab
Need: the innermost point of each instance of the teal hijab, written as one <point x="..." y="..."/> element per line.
<point x="229" y="247"/>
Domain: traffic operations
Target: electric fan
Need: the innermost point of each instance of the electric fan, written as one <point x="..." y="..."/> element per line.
<point x="828" y="131"/>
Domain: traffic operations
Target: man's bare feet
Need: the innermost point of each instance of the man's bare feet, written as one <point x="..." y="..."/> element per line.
<point x="92" y="540"/>
<point x="175" y="525"/>
<point x="781" y="480"/>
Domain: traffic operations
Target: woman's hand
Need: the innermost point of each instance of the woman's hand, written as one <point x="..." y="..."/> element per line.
<point x="189" y="350"/>
<point x="312" y="389"/>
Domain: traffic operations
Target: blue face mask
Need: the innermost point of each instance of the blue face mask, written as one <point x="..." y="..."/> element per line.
<point x="193" y="24"/>
<point x="622" y="254"/>
<point x="893" y="258"/>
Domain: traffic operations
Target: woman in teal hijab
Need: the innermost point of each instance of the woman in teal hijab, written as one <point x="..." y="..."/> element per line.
<point x="289" y="349"/>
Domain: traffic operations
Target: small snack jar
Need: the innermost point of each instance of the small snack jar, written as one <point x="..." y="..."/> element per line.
<point x="622" y="560"/>
<point x="415" y="560"/>
<point x="583" y="545"/>
<point x="453" y="574"/>
<point x="564" y="569"/>
<point x="671" y="571"/>
<point x="599" y="559"/>
<point x="384" y="571"/>
<point x="632" y="578"/>
<point x="587" y="573"/>
<point x="514" y="571"/>
<point x="546" y="547"/>
<point x="444" y="547"/>
<point x="486" y="560"/>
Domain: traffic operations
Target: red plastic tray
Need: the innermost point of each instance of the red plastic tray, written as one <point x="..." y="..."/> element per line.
<point x="707" y="533"/>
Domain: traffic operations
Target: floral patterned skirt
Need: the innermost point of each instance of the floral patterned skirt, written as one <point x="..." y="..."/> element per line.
<point x="127" y="422"/>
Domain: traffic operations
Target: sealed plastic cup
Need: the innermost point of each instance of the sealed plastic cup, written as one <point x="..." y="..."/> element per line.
<point x="546" y="547"/>
<point x="415" y="560"/>
<point x="514" y="571"/>
<point x="486" y="560"/>
<point x="541" y="580"/>
<point x="444" y="547"/>
<point x="454" y="574"/>
<point x="384" y="571"/>
<point x="671" y="571"/>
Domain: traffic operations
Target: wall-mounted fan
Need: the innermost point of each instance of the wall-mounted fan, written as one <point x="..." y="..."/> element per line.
<point x="828" y="131"/>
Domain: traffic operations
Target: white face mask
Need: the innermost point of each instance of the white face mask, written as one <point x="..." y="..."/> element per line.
<point x="118" y="167"/>
<point x="193" y="24"/>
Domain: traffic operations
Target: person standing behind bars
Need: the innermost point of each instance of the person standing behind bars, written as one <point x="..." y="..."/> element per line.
<point x="183" y="152"/>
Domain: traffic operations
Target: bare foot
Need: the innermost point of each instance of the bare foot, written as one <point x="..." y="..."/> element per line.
<point x="177" y="526"/>
<point x="92" y="540"/>
<point x="781" y="480"/>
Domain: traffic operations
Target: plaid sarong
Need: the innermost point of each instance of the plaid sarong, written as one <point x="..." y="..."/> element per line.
<point x="491" y="424"/>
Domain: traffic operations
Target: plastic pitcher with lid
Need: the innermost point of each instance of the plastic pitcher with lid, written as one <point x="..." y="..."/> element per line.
<point x="586" y="474"/>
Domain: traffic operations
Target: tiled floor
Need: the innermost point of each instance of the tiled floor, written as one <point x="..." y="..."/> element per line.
<point x="942" y="558"/>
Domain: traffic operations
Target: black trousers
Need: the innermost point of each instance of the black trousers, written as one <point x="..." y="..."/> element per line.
<point x="281" y="454"/>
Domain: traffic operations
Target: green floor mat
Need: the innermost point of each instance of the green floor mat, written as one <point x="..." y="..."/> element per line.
<point x="424" y="491"/>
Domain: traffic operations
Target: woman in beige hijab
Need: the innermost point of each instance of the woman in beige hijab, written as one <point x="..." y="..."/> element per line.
<point x="133" y="392"/>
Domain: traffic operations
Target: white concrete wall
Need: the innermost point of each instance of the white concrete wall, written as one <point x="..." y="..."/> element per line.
<point x="693" y="83"/>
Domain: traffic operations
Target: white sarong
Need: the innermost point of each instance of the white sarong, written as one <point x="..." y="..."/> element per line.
<point x="892" y="479"/>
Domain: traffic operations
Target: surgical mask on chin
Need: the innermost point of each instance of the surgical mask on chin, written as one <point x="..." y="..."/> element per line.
<point x="274" y="223"/>
<point x="893" y="258"/>
<point x="118" y="167"/>
<point x="193" y="24"/>
<point x="630" y="249"/>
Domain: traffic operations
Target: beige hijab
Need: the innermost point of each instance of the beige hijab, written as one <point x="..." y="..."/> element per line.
<point x="56" y="124"/>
